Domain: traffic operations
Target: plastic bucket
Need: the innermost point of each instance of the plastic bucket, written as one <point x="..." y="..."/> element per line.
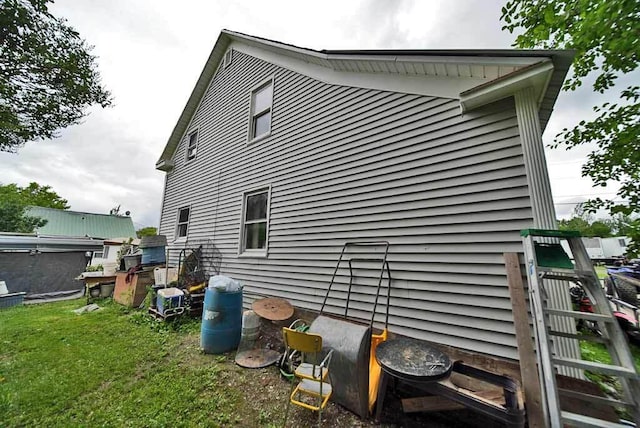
<point x="250" y="326"/>
<point x="153" y="256"/>
<point x="221" y="321"/>
<point x="106" y="289"/>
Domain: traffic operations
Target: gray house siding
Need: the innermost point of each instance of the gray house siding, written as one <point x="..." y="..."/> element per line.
<point x="448" y="191"/>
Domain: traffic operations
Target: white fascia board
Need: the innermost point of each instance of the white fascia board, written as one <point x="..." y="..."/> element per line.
<point x="514" y="61"/>
<point x="437" y="86"/>
<point x="165" y="165"/>
<point x="537" y="76"/>
<point x="273" y="46"/>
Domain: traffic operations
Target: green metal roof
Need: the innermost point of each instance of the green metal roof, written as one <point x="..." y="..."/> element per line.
<point x="74" y="223"/>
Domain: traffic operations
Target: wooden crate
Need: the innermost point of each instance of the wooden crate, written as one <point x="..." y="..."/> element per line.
<point x="132" y="293"/>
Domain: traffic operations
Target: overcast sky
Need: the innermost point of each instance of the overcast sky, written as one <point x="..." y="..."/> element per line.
<point x="151" y="53"/>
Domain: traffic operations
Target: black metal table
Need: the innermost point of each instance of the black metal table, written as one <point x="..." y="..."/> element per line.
<point x="410" y="360"/>
<point x="427" y="368"/>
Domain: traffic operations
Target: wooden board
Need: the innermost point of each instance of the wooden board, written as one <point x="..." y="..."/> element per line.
<point x="438" y="404"/>
<point x="472" y="384"/>
<point x="528" y="368"/>
<point x="432" y="403"/>
<point x="574" y="405"/>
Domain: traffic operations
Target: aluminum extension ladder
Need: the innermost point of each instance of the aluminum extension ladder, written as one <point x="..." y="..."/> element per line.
<point x="545" y="259"/>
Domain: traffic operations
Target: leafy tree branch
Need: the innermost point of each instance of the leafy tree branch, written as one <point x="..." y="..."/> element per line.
<point x="48" y="77"/>
<point x="605" y="35"/>
<point x="14" y="203"/>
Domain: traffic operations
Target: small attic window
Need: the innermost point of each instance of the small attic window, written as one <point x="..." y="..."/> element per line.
<point x="228" y="57"/>
<point x="192" y="147"/>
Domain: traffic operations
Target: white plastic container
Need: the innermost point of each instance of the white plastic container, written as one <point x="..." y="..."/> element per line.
<point x="250" y="326"/>
<point x="169" y="298"/>
<point x="160" y="275"/>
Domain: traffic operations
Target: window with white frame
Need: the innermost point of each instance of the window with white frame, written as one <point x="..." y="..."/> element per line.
<point x="183" y="222"/>
<point x="261" y="103"/>
<point x="192" y="146"/>
<point x="105" y="252"/>
<point x="255" y="222"/>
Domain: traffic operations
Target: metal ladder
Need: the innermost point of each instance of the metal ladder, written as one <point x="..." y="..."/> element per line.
<point x="545" y="259"/>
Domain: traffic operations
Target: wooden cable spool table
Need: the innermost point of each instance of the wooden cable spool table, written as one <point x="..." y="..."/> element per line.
<point x="273" y="309"/>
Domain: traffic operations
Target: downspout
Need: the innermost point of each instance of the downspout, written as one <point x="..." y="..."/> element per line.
<point x="544" y="216"/>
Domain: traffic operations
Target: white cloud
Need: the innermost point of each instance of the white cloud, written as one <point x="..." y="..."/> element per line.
<point x="151" y="54"/>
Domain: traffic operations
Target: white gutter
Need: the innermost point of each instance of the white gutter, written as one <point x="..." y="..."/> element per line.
<point x="536" y="76"/>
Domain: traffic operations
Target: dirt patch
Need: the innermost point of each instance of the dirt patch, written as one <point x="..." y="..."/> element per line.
<point x="265" y="394"/>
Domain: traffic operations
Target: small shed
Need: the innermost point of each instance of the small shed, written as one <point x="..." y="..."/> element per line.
<point x="44" y="266"/>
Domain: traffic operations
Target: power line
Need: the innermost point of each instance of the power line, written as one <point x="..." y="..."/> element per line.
<point x="586" y="195"/>
<point x="580" y="202"/>
<point x="568" y="161"/>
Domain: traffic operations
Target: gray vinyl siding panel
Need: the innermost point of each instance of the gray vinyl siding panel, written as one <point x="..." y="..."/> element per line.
<point x="448" y="191"/>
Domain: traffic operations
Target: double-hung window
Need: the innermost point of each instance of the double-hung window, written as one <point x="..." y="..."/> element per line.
<point x="255" y="223"/>
<point x="261" y="104"/>
<point x="192" y="147"/>
<point x="183" y="222"/>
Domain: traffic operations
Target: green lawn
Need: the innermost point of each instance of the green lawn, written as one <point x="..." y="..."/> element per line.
<point x="115" y="367"/>
<point x="597" y="352"/>
<point x="601" y="271"/>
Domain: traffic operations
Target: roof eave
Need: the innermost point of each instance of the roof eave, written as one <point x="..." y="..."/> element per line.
<point x="165" y="164"/>
<point x="546" y="77"/>
<point x="537" y="76"/>
<point x="561" y="62"/>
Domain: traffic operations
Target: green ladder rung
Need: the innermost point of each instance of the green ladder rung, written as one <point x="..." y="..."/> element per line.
<point x="550" y="233"/>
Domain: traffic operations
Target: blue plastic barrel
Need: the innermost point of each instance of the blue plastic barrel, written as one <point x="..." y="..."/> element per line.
<point x="221" y="321"/>
<point x="153" y="255"/>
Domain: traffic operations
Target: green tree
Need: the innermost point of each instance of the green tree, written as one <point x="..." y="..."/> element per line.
<point x="13" y="218"/>
<point x="584" y="222"/>
<point x="48" y="76"/>
<point x="606" y="37"/>
<point x="147" y="231"/>
<point x="574" y="223"/>
<point x="600" y="228"/>
<point x="621" y="224"/>
<point x="14" y="201"/>
<point x="33" y="194"/>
